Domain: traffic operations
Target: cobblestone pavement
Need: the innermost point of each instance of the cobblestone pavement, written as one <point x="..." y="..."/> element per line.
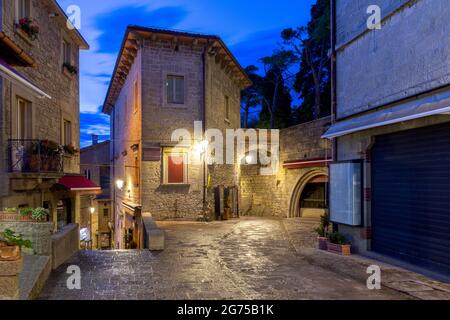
<point x="239" y="259"/>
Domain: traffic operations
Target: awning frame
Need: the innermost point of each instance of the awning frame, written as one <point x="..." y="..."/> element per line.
<point x="434" y="105"/>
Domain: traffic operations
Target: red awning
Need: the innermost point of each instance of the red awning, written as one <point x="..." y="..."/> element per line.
<point x="78" y="183"/>
<point x="309" y="163"/>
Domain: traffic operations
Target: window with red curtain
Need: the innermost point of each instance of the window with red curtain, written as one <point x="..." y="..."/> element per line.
<point x="175" y="168"/>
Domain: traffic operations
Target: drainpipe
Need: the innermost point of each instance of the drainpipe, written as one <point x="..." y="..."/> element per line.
<point x="333" y="76"/>
<point x="205" y="172"/>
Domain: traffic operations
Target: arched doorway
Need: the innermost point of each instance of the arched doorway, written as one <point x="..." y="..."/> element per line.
<point x="309" y="197"/>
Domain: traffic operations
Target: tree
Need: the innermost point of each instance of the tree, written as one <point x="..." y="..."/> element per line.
<point x="311" y="45"/>
<point x="275" y="94"/>
<point x="251" y="97"/>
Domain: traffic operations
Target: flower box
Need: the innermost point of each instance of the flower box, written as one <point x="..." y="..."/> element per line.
<point x="9" y="253"/>
<point x="323" y="243"/>
<point x="342" y="249"/>
<point x="14" y="216"/>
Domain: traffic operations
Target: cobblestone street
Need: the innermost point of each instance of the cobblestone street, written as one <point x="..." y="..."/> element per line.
<point x="239" y="259"/>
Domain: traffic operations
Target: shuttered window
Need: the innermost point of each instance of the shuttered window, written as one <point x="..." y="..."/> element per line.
<point x="23" y="9"/>
<point x="175" y="89"/>
<point x="175" y="167"/>
<point x="67" y="139"/>
<point x="24" y="119"/>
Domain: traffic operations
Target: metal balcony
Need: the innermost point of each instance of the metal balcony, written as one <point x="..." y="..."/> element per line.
<point x="35" y="156"/>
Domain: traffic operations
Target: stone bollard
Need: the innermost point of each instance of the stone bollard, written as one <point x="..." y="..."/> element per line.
<point x="155" y="237"/>
<point x="9" y="279"/>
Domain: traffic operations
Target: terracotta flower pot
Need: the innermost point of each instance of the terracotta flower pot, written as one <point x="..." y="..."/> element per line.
<point x="344" y="250"/>
<point x="323" y="243"/>
<point x="9" y="253"/>
<point x="226" y="214"/>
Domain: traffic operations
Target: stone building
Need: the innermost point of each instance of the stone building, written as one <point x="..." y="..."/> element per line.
<point x="298" y="188"/>
<point x="96" y="215"/>
<point x="390" y="182"/>
<point x="39" y="109"/>
<point x="164" y="81"/>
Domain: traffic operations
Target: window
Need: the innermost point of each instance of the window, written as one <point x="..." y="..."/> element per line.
<point x="136" y="96"/>
<point x="106" y="213"/>
<point x="175" y="167"/>
<point x="67" y="133"/>
<point x="227" y="108"/>
<point x="23" y="9"/>
<point x="67" y="53"/>
<point x="24" y="119"/>
<point x="346" y="193"/>
<point x="175" y="89"/>
<point x="87" y="173"/>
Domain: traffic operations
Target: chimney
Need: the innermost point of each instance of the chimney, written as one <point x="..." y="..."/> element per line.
<point x="94" y="139"/>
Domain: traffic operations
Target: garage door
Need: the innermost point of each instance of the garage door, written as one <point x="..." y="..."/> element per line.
<point x="411" y="197"/>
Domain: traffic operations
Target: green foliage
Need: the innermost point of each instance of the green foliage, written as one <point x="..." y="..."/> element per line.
<point x="25" y="211"/>
<point x="337" y="238"/>
<point x="10" y="210"/>
<point x="37" y="214"/>
<point x="72" y="69"/>
<point x="14" y="239"/>
<point x="70" y="150"/>
<point x="324" y="226"/>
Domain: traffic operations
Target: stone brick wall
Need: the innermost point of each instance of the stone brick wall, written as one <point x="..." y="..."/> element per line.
<point x="48" y="75"/>
<point x="271" y="195"/>
<point x="390" y="64"/>
<point x="39" y="233"/>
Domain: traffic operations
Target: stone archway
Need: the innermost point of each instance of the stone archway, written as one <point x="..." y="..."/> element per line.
<point x="294" y="203"/>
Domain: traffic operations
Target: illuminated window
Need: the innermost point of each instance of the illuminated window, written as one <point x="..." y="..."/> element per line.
<point x="175" y="167"/>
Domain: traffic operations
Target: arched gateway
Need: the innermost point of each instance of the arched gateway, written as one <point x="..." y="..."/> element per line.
<point x="309" y="183"/>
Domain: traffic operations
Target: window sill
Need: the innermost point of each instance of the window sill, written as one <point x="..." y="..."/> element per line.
<point x="23" y="35"/>
<point x="176" y="106"/>
<point x="176" y="185"/>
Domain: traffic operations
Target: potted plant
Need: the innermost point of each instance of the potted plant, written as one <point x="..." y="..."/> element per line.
<point x="70" y="150"/>
<point x="70" y="68"/>
<point x="30" y="27"/>
<point x="11" y="245"/>
<point x="34" y="214"/>
<point x="338" y="244"/>
<point x="40" y="214"/>
<point x="322" y="232"/>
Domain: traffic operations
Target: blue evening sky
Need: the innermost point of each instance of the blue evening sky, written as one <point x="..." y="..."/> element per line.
<point x="251" y="28"/>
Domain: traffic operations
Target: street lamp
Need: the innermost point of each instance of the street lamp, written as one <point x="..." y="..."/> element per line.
<point x="120" y="183"/>
<point x="92" y="210"/>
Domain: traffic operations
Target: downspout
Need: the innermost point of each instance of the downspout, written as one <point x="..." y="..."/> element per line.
<point x="333" y="76"/>
<point x="205" y="172"/>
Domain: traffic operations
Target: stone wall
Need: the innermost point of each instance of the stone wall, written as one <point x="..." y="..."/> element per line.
<point x="48" y="75"/>
<point x="39" y="233"/>
<point x="383" y="66"/>
<point x="271" y="195"/>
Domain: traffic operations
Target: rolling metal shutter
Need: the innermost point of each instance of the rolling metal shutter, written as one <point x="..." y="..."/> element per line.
<point x="411" y="197"/>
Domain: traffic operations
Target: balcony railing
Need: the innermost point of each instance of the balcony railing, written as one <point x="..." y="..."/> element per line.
<point x="35" y="156"/>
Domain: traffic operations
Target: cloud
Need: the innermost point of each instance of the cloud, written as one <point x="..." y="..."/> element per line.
<point x="113" y="24"/>
<point x="93" y="123"/>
